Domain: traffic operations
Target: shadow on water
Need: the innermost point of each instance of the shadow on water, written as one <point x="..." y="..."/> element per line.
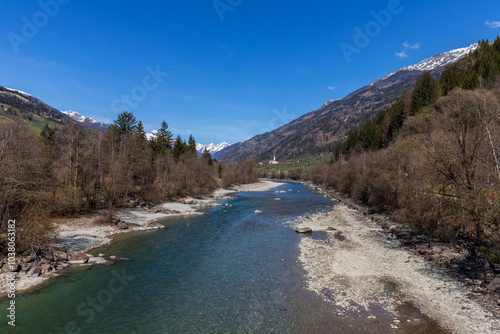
<point x="228" y="271"/>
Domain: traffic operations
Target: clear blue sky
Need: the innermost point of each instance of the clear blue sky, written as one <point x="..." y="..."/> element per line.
<point x="233" y="72"/>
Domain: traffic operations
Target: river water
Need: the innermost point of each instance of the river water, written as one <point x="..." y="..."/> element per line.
<point x="227" y="271"/>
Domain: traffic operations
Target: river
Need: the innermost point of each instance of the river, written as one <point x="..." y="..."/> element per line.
<point x="230" y="270"/>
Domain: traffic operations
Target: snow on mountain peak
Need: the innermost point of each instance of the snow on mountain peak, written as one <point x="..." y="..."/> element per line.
<point x="327" y="103"/>
<point x="439" y="60"/>
<point x="151" y="135"/>
<point x="442" y="59"/>
<point x="212" y="148"/>
<point x="76" y="116"/>
<point x="18" y="91"/>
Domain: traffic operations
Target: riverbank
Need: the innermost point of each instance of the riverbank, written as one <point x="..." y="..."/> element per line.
<point x="76" y="237"/>
<point x="360" y="265"/>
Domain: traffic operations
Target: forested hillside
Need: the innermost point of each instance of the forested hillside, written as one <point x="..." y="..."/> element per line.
<point x="432" y="158"/>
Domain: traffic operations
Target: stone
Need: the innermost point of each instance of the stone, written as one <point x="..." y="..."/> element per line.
<point x="331" y="229"/>
<point x="494" y="284"/>
<point x="122" y="226"/>
<point x="11" y="267"/>
<point x="45" y="267"/>
<point x="26" y="266"/>
<point x="303" y="230"/>
<point x="48" y="256"/>
<point x="97" y="260"/>
<point x="34" y="272"/>
<point x="79" y="256"/>
<point x="258" y="211"/>
<point x="112" y="257"/>
<point x="60" y="256"/>
<point x="28" y="259"/>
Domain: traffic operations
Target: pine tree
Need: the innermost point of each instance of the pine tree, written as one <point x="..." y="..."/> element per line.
<point x="207" y="156"/>
<point x="179" y="148"/>
<point x="192" y="144"/>
<point x="219" y="172"/>
<point x="125" y="123"/>
<point x="165" y="136"/>
<point x="425" y="92"/>
<point x="139" y="131"/>
<point x="163" y="141"/>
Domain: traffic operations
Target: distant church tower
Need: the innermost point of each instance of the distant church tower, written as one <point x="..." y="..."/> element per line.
<point x="273" y="162"/>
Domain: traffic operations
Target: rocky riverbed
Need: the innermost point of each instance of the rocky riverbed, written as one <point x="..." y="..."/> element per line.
<point x="369" y="260"/>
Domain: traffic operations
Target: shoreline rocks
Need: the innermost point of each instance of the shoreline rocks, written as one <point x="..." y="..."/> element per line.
<point x="304" y="230"/>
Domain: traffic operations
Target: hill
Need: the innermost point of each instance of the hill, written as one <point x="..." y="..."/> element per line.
<point x="320" y="130"/>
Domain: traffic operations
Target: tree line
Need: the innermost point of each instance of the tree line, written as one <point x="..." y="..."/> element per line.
<point x="73" y="170"/>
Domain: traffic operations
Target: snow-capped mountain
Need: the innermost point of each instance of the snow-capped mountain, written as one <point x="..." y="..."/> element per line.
<point x="212" y="148"/>
<point x="18" y="91"/>
<point x="318" y="130"/>
<point x="327" y="103"/>
<point x="84" y="120"/>
<point x="151" y="135"/>
<point x="440" y="60"/>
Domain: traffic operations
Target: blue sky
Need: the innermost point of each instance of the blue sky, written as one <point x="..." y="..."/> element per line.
<point x="222" y="70"/>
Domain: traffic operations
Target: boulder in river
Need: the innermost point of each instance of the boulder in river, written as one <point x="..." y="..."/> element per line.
<point x="122" y="226"/>
<point x="79" y="258"/>
<point x="304" y="230"/>
<point x="34" y="272"/>
<point x="45" y="267"/>
<point x="60" y="256"/>
<point x="258" y="211"/>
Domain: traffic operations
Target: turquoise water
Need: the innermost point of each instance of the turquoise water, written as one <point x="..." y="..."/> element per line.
<point x="228" y="271"/>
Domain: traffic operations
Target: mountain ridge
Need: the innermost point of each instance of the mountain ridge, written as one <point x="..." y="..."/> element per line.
<point x="85" y="120"/>
<point x="320" y="130"/>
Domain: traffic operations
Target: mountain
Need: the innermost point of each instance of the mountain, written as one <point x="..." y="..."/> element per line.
<point x="86" y="121"/>
<point x="14" y="102"/>
<point x="212" y="148"/>
<point x="320" y="130"/>
<point x="19" y="103"/>
<point x="151" y="135"/>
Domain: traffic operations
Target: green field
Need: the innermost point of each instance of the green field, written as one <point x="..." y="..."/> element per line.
<point x="305" y="164"/>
